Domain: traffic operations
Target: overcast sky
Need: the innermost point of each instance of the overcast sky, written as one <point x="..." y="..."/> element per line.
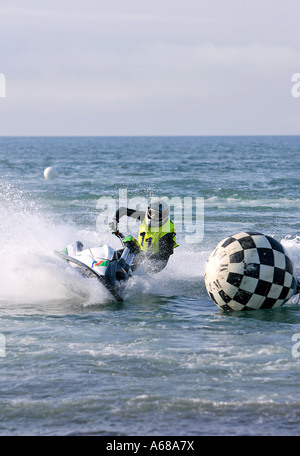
<point x="155" y="67"/>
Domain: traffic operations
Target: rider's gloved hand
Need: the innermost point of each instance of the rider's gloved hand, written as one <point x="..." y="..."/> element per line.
<point x="113" y="226"/>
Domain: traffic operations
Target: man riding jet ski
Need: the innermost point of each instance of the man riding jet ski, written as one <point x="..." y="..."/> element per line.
<point x="156" y="238"/>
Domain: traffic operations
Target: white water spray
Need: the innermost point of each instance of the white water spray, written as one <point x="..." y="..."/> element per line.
<point x="29" y="269"/>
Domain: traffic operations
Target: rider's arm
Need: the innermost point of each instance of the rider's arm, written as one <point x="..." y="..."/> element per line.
<point x="113" y="224"/>
<point x="139" y="215"/>
<point x="158" y="261"/>
<point x="166" y="245"/>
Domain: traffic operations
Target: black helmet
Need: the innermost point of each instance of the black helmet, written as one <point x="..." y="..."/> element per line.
<point x="157" y="214"/>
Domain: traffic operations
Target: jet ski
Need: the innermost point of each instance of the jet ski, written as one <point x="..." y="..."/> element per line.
<point x="111" y="267"/>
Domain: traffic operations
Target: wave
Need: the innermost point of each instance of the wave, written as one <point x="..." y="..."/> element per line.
<point x="236" y="200"/>
<point x="30" y="272"/>
<point x="292" y="246"/>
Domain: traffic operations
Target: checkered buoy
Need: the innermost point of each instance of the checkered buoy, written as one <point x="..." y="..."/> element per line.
<point x="249" y="271"/>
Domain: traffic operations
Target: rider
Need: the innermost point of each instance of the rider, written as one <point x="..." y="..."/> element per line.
<point x="157" y="234"/>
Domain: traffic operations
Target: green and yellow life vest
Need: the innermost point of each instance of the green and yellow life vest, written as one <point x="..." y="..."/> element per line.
<point x="149" y="237"/>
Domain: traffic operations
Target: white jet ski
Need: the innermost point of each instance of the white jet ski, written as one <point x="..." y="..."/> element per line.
<point x="111" y="267"/>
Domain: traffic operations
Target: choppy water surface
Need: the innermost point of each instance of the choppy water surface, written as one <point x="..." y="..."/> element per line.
<point x="166" y="361"/>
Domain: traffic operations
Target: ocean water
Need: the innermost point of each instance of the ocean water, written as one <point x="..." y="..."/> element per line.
<point x="166" y="361"/>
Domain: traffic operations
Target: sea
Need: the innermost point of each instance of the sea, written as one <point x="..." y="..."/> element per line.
<point x="166" y="361"/>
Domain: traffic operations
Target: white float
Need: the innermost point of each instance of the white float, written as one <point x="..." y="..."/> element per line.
<point x="50" y="172"/>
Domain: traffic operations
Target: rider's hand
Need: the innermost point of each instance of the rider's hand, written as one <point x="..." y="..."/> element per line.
<point x="113" y="226"/>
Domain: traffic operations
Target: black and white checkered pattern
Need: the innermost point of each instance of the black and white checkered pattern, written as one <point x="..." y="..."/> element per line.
<point x="250" y="271"/>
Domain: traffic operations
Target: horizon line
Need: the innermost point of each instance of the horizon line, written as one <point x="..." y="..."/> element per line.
<point x="149" y="135"/>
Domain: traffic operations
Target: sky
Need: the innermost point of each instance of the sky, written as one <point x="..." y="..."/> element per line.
<point x="159" y="67"/>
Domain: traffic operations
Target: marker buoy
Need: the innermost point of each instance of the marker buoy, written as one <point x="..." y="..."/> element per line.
<point x="50" y="172"/>
<point x="250" y="271"/>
